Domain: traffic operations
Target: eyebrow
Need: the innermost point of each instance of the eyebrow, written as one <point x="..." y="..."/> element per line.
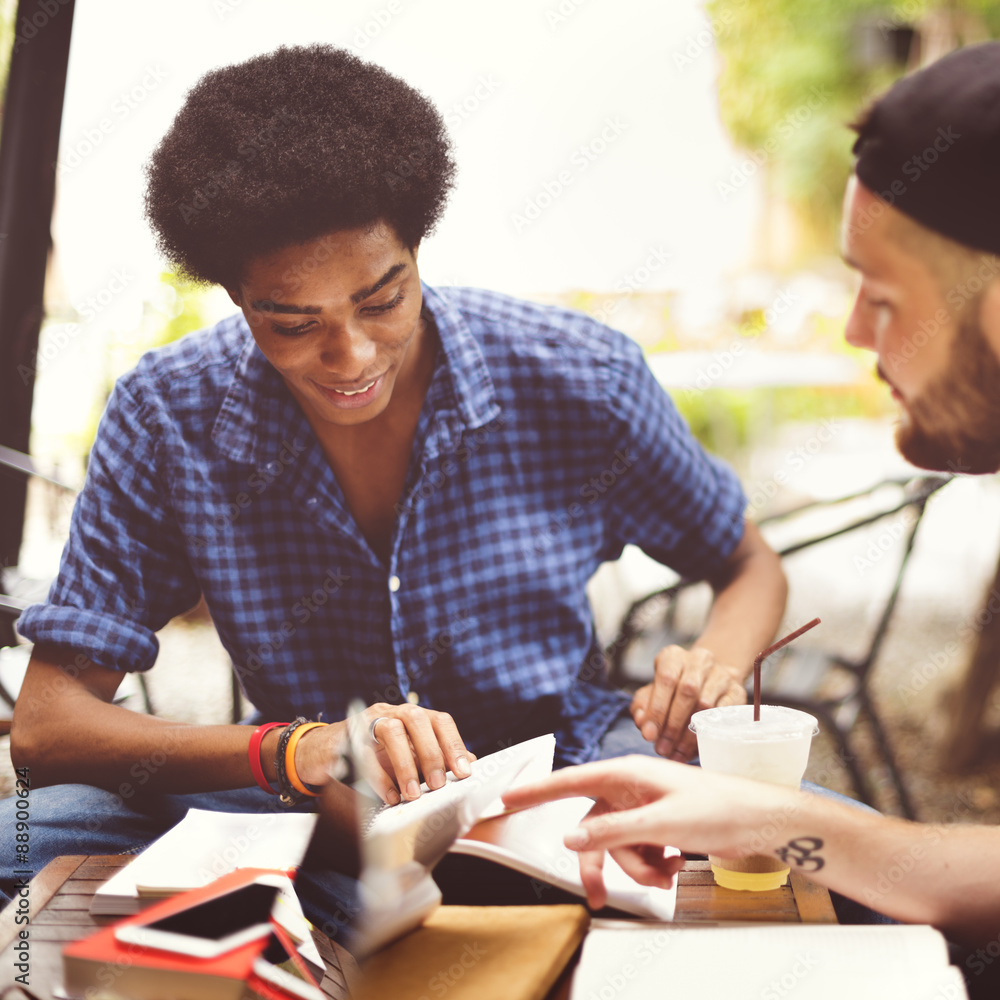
<point x="267" y="305"/>
<point x="384" y="280"/>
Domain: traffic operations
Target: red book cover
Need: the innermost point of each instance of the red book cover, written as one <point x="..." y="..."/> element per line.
<point x="306" y="987"/>
<point x="138" y="972"/>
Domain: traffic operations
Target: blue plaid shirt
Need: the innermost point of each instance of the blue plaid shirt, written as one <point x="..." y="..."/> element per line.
<point x="543" y="447"/>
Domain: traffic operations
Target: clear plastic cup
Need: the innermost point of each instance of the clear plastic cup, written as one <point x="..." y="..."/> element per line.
<point x="776" y="750"/>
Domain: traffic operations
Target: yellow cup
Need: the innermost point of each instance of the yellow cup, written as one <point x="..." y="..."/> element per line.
<point x="760" y="877"/>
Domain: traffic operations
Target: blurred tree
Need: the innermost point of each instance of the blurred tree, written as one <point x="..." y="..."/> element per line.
<point x="177" y="309"/>
<point x="181" y="311"/>
<point x="794" y="73"/>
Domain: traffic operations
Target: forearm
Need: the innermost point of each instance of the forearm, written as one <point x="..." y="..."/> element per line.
<point x="154" y="755"/>
<point x="748" y="605"/>
<point x="65" y="731"/>
<point x="947" y="876"/>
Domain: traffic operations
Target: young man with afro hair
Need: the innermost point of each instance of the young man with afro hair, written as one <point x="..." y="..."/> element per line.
<point x="384" y="491"/>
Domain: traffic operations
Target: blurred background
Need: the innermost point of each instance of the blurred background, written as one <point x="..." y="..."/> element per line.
<point x="675" y="170"/>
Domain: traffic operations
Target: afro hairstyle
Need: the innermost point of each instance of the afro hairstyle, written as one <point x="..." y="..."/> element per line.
<point x="286" y="147"/>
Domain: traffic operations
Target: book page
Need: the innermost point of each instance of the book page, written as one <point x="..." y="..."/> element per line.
<point x="787" y="961"/>
<point x="402" y="843"/>
<point x="531" y="842"/>
<point x="466" y="799"/>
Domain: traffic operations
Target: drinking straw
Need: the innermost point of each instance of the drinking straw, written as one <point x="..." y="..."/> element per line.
<point x="765" y="654"/>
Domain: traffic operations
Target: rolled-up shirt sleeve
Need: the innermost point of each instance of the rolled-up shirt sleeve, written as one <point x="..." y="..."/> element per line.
<point x="124" y="571"/>
<point x="680" y="505"/>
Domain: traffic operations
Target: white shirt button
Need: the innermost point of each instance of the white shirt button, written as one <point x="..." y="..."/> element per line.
<point x="413" y="698"/>
<point x="394" y="583"/>
<point x="312" y="501"/>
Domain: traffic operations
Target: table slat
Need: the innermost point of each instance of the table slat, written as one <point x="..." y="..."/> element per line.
<point x="812" y="901"/>
<point x="43" y="887"/>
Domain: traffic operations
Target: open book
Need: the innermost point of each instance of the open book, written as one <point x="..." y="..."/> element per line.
<point x="403" y="843"/>
<point x="801" y="961"/>
<point x="531" y="842"/>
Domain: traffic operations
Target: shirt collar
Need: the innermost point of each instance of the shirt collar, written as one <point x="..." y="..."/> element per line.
<point x="254" y="398"/>
<point x="257" y="395"/>
<point x="471" y="384"/>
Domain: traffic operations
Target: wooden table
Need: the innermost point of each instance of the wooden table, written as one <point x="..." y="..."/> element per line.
<point x="60" y="898"/>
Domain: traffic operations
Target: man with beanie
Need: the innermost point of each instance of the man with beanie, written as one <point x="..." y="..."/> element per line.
<point x="922" y="228"/>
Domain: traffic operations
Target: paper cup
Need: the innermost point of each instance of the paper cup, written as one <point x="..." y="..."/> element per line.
<point x="776" y="750"/>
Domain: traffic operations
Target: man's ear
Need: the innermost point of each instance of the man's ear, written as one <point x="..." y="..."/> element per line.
<point x="989" y="316"/>
<point x="235" y="296"/>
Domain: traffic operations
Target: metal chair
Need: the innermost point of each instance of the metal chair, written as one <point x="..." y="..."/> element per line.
<point x="12" y="606"/>
<point x="796" y="680"/>
<point x="10" y="611"/>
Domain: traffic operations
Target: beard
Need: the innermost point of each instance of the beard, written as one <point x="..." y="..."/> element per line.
<point x="954" y="425"/>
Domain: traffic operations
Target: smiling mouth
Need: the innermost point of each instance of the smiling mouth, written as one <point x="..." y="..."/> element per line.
<point x="351" y="392"/>
<point x="361" y="395"/>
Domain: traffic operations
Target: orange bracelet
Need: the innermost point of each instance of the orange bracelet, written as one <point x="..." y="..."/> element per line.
<point x="293" y="776"/>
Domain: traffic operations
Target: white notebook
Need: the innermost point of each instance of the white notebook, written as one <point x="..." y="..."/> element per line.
<point x="787" y="961"/>
<point x="203" y="846"/>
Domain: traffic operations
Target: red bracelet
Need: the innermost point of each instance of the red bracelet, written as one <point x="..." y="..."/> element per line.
<point x="254" y="754"/>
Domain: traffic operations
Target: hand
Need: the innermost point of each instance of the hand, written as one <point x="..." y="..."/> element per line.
<point x="685" y="681"/>
<point x="644" y="804"/>
<point x="413" y="741"/>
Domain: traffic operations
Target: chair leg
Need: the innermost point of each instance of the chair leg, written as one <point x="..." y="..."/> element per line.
<point x="6" y="695"/>
<point x="144" y="688"/>
<point x="840" y="738"/>
<point x="850" y="761"/>
<point x="888" y="757"/>
<point x="237" y="709"/>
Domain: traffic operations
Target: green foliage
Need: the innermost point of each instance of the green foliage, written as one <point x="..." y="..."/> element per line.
<point x="182" y="310"/>
<point x="989" y="11"/>
<point x="178" y="310"/>
<point x="726" y="421"/>
<point x="791" y="81"/>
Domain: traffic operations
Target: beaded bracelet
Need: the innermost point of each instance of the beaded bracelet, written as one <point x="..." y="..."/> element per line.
<point x="286" y="791"/>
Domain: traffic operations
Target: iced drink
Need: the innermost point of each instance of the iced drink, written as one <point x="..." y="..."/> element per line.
<point x="775" y="749"/>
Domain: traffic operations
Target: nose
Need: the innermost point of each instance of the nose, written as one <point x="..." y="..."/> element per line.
<point x="348" y="353"/>
<point x="860" y="331"/>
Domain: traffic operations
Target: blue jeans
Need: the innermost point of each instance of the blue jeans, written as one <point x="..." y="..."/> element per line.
<point x="80" y="819"/>
<point x="624" y="738"/>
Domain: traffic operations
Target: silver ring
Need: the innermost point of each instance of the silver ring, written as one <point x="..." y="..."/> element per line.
<point x="371" y="730"/>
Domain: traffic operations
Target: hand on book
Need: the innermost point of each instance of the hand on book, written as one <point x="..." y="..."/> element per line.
<point x="644" y="804"/>
<point x="409" y="743"/>
<point x="686" y="681"/>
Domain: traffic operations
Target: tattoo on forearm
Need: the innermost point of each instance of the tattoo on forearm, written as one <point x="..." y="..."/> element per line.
<point x="802" y="850"/>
